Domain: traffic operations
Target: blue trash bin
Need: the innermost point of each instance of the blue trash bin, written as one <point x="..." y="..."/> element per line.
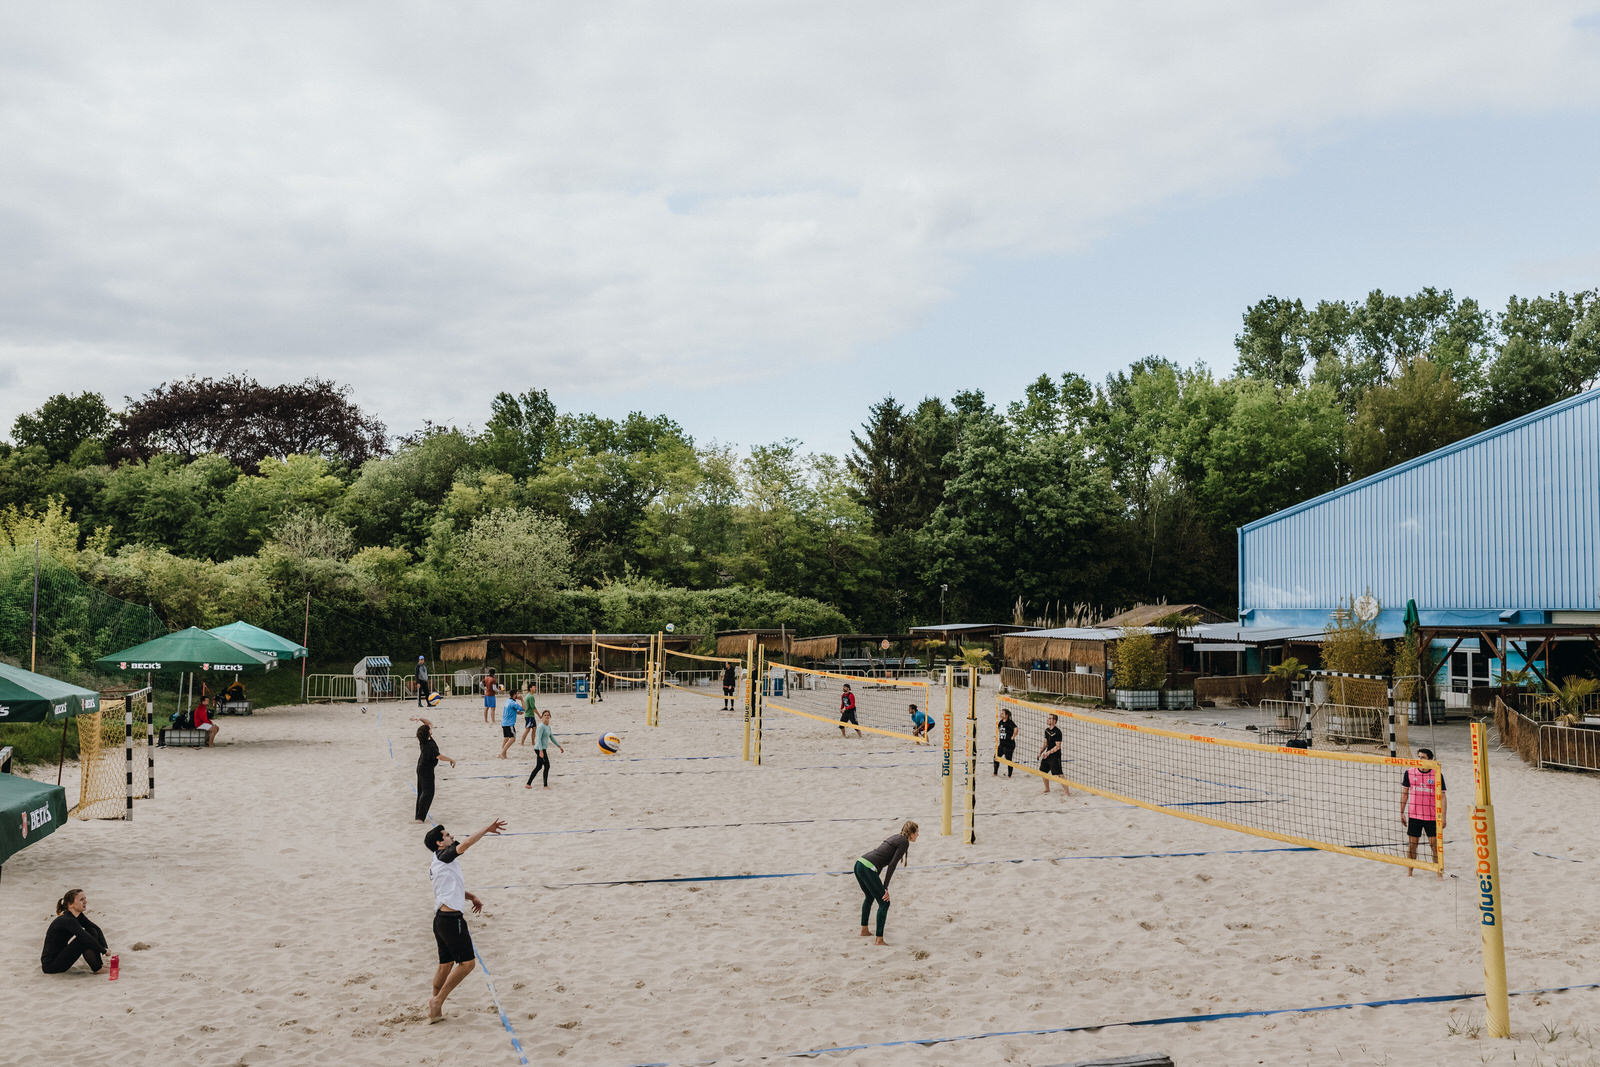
<point x="773" y="687"/>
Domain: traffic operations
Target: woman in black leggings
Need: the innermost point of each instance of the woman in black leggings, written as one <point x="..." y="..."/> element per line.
<point x="72" y="936"/>
<point x="873" y="872"/>
<point x="427" y="760"/>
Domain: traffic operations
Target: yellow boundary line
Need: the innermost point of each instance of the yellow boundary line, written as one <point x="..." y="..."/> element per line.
<point x="1271" y="835"/>
<point x="847" y="725"/>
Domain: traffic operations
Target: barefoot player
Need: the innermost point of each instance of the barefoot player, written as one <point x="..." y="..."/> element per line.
<point x="450" y="920"/>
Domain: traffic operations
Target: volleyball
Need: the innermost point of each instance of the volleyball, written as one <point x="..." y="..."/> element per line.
<point x="670" y="627"/>
<point x="610" y="744"/>
<point x="433" y="700"/>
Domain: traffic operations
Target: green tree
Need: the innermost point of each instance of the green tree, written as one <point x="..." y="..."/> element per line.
<point x="602" y="479"/>
<point x="1550" y="351"/>
<point x="520" y="433"/>
<point x="1420" y="410"/>
<point x="511" y="556"/>
<point x="64" y="425"/>
<point x="394" y="499"/>
<point x="1272" y="343"/>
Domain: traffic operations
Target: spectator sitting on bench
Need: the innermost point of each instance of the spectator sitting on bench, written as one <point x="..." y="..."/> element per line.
<point x="202" y="721"/>
<point x="234" y="694"/>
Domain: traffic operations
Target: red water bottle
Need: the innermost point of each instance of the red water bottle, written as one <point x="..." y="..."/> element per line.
<point x="115" y="966"/>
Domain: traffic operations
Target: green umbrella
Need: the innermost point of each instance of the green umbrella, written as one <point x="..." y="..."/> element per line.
<point x="29" y="697"/>
<point x="256" y="639"/>
<point x="193" y="649"/>
<point x="28" y="811"/>
<point x="1413" y="620"/>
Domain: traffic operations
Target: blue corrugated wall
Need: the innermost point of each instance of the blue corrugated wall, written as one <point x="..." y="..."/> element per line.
<point x="1506" y="520"/>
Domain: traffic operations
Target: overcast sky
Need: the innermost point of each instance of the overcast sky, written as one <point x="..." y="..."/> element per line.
<point x="758" y="218"/>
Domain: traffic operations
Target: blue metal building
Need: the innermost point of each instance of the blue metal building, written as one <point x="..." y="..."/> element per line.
<point x="1499" y="530"/>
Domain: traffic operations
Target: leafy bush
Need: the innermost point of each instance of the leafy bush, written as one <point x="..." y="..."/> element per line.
<point x="1139" y="661"/>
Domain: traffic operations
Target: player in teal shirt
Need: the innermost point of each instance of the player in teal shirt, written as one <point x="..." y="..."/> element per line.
<point x="541" y="751"/>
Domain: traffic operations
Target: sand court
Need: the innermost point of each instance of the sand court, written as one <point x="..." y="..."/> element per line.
<point x="673" y="904"/>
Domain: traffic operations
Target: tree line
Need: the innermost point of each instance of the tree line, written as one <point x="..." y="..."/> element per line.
<point x="210" y="499"/>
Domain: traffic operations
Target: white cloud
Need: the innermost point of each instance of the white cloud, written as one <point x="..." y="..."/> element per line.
<point x="420" y="199"/>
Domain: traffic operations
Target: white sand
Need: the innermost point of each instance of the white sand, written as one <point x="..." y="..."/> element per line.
<point x="282" y="888"/>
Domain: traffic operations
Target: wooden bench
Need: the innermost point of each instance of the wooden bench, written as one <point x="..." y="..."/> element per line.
<point x="178" y="737"/>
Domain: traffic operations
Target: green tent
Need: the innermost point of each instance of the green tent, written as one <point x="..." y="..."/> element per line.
<point x="193" y="649"/>
<point x="256" y="639"/>
<point x="28" y="811"/>
<point x="29" y="697"/>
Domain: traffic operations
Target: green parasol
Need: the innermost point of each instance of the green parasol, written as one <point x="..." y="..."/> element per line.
<point x="29" y="697"/>
<point x="28" y="811"/>
<point x="193" y="649"/>
<point x="256" y="639"/>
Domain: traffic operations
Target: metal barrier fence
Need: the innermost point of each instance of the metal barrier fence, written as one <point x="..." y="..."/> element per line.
<point x="1547" y="706"/>
<point x="330" y="687"/>
<point x="1280" y="720"/>
<point x="1054" y="683"/>
<point x="1573" y="748"/>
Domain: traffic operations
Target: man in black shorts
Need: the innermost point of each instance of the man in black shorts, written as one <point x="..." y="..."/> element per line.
<point x="847" y="711"/>
<point x="1050" y="753"/>
<point x="730" y="681"/>
<point x="450" y="920"/>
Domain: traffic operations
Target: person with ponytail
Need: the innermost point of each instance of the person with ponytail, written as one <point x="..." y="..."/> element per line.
<point x="873" y="872"/>
<point x="72" y="936"/>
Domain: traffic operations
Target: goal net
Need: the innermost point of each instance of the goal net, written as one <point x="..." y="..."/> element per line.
<point x="881" y="705"/>
<point x="107" y="764"/>
<point x="1336" y="801"/>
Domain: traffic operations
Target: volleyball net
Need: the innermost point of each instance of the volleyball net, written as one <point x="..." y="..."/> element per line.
<point x="621" y="666"/>
<point x="881" y="705"/>
<point x="1335" y="801"/>
<point x="697" y="675"/>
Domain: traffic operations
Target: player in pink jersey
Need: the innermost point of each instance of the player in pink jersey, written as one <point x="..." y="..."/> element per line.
<point x="1422" y="806"/>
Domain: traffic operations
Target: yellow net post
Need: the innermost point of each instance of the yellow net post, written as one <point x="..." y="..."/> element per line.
<point x="650" y="680"/>
<point x="946" y="782"/>
<point x="749" y="691"/>
<point x="654" y="665"/>
<point x="1491" y="921"/>
<point x="594" y="664"/>
<point x="969" y="834"/>
<point x="759" y="701"/>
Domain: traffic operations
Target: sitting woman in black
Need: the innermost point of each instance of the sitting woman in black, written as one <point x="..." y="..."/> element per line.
<point x="71" y="936"/>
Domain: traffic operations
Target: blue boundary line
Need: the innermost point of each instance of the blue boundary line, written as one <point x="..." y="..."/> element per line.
<point x="1440" y="998"/>
<point x="768" y="822"/>
<point x="926" y="867"/>
<point x="505" y="1021"/>
<point x="629" y="774"/>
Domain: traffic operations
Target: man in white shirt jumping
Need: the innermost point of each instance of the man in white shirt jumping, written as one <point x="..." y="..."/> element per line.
<point x="449" y="920"/>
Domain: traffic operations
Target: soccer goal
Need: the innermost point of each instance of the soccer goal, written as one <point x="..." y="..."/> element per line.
<point x="1336" y="801"/>
<point x="106" y="763"/>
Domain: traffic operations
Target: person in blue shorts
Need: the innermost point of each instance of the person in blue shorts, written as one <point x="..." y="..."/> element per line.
<point x="491" y="686"/>
<point x="508" y="720"/>
<point x="530" y="727"/>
